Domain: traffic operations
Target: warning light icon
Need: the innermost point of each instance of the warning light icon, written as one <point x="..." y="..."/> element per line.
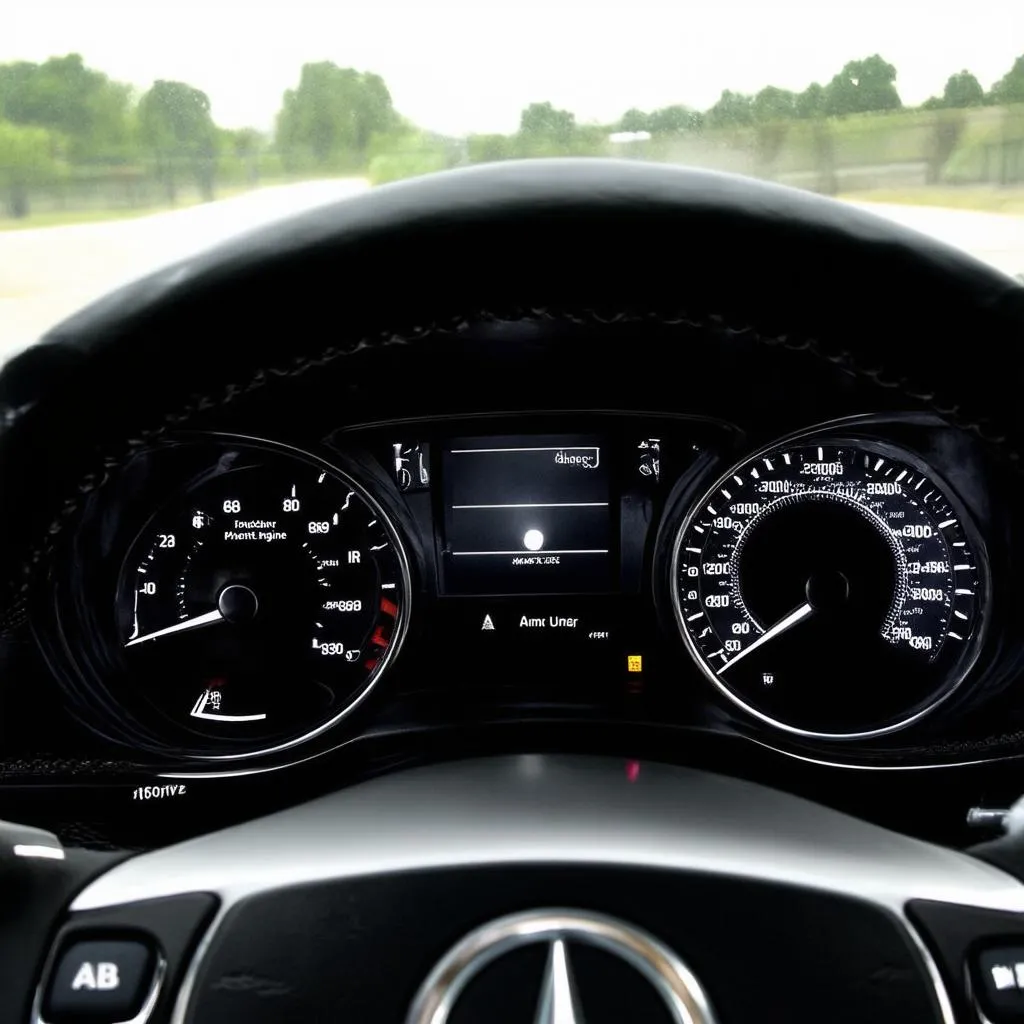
<point x="488" y="623"/>
<point x="634" y="663"/>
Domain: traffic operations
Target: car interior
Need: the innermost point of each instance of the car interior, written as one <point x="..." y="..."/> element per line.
<point x="557" y="590"/>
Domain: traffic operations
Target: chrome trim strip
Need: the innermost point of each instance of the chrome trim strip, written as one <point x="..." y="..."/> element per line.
<point x="565" y="810"/>
<point x="680" y="991"/>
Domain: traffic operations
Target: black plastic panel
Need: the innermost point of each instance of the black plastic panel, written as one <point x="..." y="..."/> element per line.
<point x="357" y="950"/>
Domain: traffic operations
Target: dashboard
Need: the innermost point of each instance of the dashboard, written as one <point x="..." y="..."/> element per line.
<point x="286" y="607"/>
<point x="832" y="587"/>
<point x="246" y="578"/>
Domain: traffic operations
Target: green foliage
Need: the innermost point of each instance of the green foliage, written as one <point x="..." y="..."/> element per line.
<point x="963" y="90"/>
<point x="732" y="110"/>
<point x="544" y="128"/>
<point x="673" y="120"/>
<point x="665" y="121"/>
<point x="863" y="86"/>
<point x="327" y="122"/>
<point x="26" y="159"/>
<point x="81" y="105"/>
<point x="1010" y="88"/>
<point x="810" y="103"/>
<point x="177" y="128"/>
<point x="485" y="149"/>
<point x="772" y="104"/>
<point x="408" y="156"/>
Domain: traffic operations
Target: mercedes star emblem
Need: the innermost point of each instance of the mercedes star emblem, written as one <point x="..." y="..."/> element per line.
<point x="559" y="1001"/>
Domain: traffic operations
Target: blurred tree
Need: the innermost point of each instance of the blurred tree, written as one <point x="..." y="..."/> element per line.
<point x="483" y="149"/>
<point x="1010" y="88"/>
<point x="773" y="104"/>
<point x="26" y="159"/>
<point x="176" y="126"/>
<point x="330" y="118"/>
<point x="732" y="110"/>
<point x="863" y="86"/>
<point x="544" y="124"/>
<point x="962" y="90"/>
<point x="91" y="111"/>
<point x="811" y="102"/>
<point x="673" y="120"/>
<point x="633" y="120"/>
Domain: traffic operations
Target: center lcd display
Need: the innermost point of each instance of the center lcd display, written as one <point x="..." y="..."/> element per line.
<point x="527" y="515"/>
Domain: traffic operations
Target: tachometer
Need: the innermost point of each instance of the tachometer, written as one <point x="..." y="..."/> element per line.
<point x="833" y="590"/>
<point x="263" y="602"/>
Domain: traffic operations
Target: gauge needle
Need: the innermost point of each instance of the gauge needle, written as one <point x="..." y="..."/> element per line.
<point x="778" y="629"/>
<point x="207" y="619"/>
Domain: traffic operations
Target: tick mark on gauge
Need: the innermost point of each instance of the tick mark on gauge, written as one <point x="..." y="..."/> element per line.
<point x="768" y="465"/>
<point x="787" y="460"/>
<point x="754" y="473"/>
<point x="695" y="551"/>
<point x="960" y="615"/>
<point x="693" y="618"/>
<point x="739" y="481"/>
<point x="320" y="479"/>
<point x="964" y="593"/>
<point x="948" y="522"/>
<point x="699" y="529"/>
<point x="879" y="464"/>
<point x="901" y="476"/>
<point x="726" y="495"/>
<point x="955" y="636"/>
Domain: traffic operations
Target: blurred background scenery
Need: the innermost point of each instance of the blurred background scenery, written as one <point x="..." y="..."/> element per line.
<point x="75" y="143"/>
<point x="170" y="128"/>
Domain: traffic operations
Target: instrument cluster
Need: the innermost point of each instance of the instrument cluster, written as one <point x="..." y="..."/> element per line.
<point x="243" y="601"/>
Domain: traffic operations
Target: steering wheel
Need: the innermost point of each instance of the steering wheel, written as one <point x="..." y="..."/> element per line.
<point x="533" y="887"/>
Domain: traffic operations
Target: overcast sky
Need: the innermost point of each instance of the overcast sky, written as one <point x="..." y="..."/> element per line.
<point x="472" y="65"/>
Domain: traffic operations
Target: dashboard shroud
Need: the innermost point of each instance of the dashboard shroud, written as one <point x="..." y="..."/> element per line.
<point x="571" y="612"/>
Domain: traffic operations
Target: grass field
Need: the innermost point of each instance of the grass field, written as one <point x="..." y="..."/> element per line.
<point x="983" y="200"/>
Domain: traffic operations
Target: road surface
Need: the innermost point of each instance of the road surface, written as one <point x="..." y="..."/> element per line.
<point x="48" y="273"/>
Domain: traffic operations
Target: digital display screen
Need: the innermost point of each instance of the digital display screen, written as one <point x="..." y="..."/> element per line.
<point x="527" y="515"/>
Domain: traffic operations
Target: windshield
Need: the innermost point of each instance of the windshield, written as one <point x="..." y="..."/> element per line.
<point x="131" y="135"/>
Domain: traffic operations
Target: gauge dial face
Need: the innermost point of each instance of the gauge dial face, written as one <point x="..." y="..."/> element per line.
<point x="263" y="603"/>
<point x="832" y="590"/>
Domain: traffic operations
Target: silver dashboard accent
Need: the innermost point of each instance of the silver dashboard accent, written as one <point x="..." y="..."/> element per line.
<point x="560" y="810"/>
<point x="678" y="988"/>
<point x="39" y="851"/>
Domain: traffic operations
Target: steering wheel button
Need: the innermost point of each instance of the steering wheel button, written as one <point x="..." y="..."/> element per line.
<point x="999" y="984"/>
<point x="100" y="982"/>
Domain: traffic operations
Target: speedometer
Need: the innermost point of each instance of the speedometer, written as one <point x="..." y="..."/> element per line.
<point x="262" y="603"/>
<point x="833" y="590"/>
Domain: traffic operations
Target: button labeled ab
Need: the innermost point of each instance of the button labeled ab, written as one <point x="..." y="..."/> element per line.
<point x="98" y="980"/>
<point x="103" y="975"/>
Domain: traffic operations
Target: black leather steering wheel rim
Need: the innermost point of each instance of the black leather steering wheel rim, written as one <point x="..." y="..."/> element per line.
<point x="570" y="239"/>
